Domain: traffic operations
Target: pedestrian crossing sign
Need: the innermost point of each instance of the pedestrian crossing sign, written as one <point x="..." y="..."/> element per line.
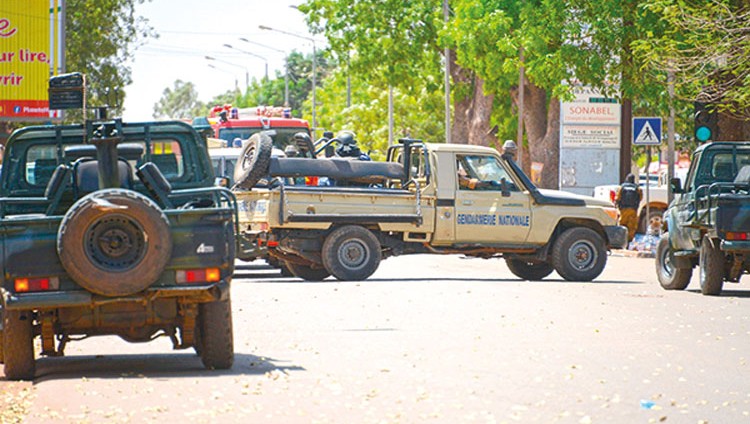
<point x="646" y="131"/>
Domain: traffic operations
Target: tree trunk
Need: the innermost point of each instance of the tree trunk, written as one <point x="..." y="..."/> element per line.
<point x="733" y="129"/>
<point x="542" y="124"/>
<point x="471" y="114"/>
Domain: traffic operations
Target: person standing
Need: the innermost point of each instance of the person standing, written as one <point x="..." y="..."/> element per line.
<point x="627" y="200"/>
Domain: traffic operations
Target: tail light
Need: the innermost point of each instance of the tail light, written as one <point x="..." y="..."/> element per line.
<point x="24" y="285"/>
<point x="612" y="195"/>
<point x="737" y="236"/>
<point x="200" y="275"/>
<point x="311" y="181"/>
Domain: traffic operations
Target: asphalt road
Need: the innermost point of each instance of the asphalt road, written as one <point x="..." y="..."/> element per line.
<point x="437" y="339"/>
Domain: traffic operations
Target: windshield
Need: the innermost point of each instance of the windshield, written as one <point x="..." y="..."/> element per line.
<point x="720" y="166"/>
<point x="282" y="137"/>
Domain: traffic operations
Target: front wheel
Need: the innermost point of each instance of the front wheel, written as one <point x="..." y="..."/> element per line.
<point x="526" y="270"/>
<point x="669" y="276"/>
<point x="215" y="343"/>
<point x="579" y="254"/>
<point x="712" y="267"/>
<point x="18" y="345"/>
<point x="351" y="253"/>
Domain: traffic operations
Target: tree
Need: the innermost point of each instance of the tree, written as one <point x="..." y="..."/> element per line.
<point x="100" y="36"/>
<point x="390" y="44"/>
<point x="707" y="47"/>
<point x="179" y="102"/>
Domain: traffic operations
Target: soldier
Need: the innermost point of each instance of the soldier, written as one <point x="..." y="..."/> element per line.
<point x="627" y="200"/>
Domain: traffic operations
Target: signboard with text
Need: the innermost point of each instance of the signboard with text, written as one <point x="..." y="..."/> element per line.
<point x="589" y="140"/>
<point x="30" y="52"/>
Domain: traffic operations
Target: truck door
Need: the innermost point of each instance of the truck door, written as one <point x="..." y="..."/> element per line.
<point x="482" y="213"/>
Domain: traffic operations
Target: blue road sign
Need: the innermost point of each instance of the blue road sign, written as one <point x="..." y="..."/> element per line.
<point x="646" y="131"/>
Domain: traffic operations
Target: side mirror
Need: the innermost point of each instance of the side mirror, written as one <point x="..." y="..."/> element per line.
<point x="504" y="188"/>
<point x="676" y="185"/>
<point x="221" y="181"/>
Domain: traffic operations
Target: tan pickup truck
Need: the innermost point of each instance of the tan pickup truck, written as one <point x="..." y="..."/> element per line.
<point x="425" y="198"/>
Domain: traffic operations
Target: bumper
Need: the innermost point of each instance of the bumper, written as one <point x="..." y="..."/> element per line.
<point x="52" y="300"/>
<point x="617" y="236"/>
<point x="735" y="246"/>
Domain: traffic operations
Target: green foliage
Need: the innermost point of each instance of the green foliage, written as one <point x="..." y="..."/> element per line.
<point x="381" y="44"/>
<point x="417" y="113"/>
<point x="100" y="37"/>
<point x="179" y="102"/>
<point x="707" y="46"/>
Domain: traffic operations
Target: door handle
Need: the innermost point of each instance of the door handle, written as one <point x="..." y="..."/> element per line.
<point x="467" y="202"/>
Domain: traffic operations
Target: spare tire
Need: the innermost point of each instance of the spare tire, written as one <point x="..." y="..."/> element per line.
<point x="252" y="165"/>
<point x="114" y="242"/>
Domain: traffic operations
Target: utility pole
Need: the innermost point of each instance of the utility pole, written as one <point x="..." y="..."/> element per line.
<point x="447" y="58"/>
<point x="670" y="136"/>
<point x="521" y="89"/>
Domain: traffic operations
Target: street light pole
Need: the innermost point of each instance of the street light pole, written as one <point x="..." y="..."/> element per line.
<point x="247" y="73"/>
<point x="236" y="84"/>
<point x="314" y="68"/>
<point x="286" y="66"/>
<point x="229" y="46"/>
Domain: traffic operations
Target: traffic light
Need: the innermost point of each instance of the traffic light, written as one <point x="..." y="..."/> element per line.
<point x="706" y="122"/>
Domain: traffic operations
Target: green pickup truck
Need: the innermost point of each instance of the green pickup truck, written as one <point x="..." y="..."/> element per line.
<point x="113" y="228"/>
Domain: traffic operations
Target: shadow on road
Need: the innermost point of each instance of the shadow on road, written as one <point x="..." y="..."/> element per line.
<point x="727" y="293"/>
<point x="496" y="280"/>
<point x="174" y="365"/>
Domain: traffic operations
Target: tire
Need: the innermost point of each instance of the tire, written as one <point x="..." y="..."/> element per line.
<point x="351" y="253"/>
<point x="711" y="267"/>
<point x="114" y="242"/>
<point x="252" y="165"/>
<point x="669" y="277"/>
<point x="525" y="270"/>
<point x="579" y="254"/>
<point x="18" y="345"/>
<point x="655" y="215"/>
<point x="216" y="346"/>
<point x="308" y="273"/>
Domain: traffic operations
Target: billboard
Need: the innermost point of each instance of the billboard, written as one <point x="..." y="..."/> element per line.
<point x="31" y="50"/>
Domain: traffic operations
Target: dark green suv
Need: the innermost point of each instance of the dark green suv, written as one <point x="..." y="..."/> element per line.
<point x="118" y="229"/>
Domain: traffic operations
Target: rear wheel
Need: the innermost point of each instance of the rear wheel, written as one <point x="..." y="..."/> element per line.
<point x="579" y="254"/>
<point x="307" y="272"/>
<point x="351" y="253"/>
<point x="670" y="277"/>
<point x="216" y="339"/>
<point x="526" y="270"/>
<point x="18" y="345"/>
<point x="712" y="267"/>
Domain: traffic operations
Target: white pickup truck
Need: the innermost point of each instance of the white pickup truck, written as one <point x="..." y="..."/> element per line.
<point x="656" y="201"/>
<point x="419" y="201"/>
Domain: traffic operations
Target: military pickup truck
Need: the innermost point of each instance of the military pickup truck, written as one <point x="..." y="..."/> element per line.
<point x="426" y="198"/>
<point x="112" y="228"/>
<point x="708" y="223"/>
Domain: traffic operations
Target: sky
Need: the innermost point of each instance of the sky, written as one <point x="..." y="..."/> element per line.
<point x="190" y="30"/>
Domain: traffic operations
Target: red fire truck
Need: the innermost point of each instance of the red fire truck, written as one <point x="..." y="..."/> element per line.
<point x="231" y="123"/>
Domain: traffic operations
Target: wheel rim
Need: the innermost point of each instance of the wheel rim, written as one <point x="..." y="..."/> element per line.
<point x="582" y="255"/>
<point x="115" y="243"/>
<point x="247" y="158"/>
<point x="353" y="254"/>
